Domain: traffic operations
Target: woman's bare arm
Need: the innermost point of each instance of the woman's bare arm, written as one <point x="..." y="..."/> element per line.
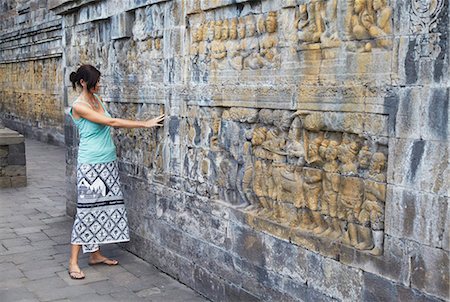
<point x="85" y="112"/>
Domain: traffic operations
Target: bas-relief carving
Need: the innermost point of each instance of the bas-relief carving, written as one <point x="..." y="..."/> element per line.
<point x="234" y="44"/>
<point x="370" y="20"/>
<point x="322" y="183"/>
<point x="253" y="42"/>
<point x="424" y="20"/>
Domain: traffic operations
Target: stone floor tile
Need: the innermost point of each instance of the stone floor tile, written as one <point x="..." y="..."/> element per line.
<point x="63" y="292"/>
<point x="92" y="297"/>
<point x="107" y="287"/>
<point x="127" y="296"/>
<point x="16" y="294"/>
<point x="44" y="272"/>
<point x="45" y="283"/>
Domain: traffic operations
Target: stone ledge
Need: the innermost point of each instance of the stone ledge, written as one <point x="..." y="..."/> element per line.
<point x="10" y="137"/>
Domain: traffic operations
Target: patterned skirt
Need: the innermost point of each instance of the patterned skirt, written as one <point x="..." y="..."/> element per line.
<point x="101" y="216"/>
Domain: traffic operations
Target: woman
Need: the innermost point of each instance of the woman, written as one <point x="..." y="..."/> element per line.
<point x="101" y="215"/>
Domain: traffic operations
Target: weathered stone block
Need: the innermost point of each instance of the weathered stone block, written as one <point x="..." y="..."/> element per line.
<point x="4" y="151"/>
<point x="408" y="117"/>
<point x="18" y="181"/>
<point x="429" y="271"/>
<point x="418" y="216"/>
<point x="379" y="289"/>
<point x="419" y="164"/>
<point x="323" y="274"/>
<point x="436" y="110"/>
<point x="5" y="182"/>
<point x="248" y="244"/>
<point x="17" y="149"/>
<point x="392" y="265"/>
<point x="17" y="159"/>
<point x="208" y="284"/>
<point x="15" y="170"/>
<point x="121" y="25"/>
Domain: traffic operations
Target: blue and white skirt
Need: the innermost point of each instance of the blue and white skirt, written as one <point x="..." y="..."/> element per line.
<point x="101" y="215"/>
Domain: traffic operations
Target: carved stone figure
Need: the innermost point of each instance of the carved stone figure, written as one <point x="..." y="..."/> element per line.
<point x="347" y="155"/>
<point x="250" y="46"/>
<point x="330" y="185"/>
<point x="377" y="167"/>
<point x="275" y="143"/>
<point x="349" y="206"/>
<point x="329" y="16"/>
<point x="364" y="157"/>
<point x="313" y="151"/>
<point x="331" y="153"/>
<point x="312" y="187"/>
<point x="233" y="45"/>
<point x="269" y="42"/>
<point x="306" y="27"/>
<point x="218" y="49"/>
<point x="382" y="27"/>
<point x="360" y="21"/>
<point x="261" y="187"/>
<point x="372" y="214"/>
<point x="295" y="148"/>
<point x="287" y="188"/>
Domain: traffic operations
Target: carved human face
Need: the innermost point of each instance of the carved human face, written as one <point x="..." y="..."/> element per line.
<point x="359" y="5"/>
<point x="217" y="30"/>
<point x="224" y="33"/>
<point x="377" y="4"/>
<point x="210" y="31"/>
<point x="233" y="30"/>
<point x="378" y="162"/>
<point x="241" y="30"/>
<point x="271" y="24"/>
<point x="199" y="33"/>
<point x="250" y="28"/>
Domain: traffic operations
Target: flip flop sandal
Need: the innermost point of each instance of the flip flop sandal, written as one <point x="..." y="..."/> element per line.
<point x="74" y="277"/>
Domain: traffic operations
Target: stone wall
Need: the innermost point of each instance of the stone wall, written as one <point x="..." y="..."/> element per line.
<point x="31" y="95"/>
<point x="13" y="171"/>
<point x="305" y="152"/>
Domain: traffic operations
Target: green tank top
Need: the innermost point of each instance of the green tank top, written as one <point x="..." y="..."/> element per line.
<point x="96" y="145"/>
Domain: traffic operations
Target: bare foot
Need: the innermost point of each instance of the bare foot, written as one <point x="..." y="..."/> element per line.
<point x="75" y="272"/>
<point x="97" y="258"/>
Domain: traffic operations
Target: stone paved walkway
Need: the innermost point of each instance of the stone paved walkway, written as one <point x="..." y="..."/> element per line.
<point x="34" y="246"/>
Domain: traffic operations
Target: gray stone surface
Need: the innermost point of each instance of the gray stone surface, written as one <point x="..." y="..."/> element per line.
<point x="34" y="247"/>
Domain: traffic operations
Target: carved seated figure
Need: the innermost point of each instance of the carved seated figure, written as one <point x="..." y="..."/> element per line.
<point x="382" y="27"/>
<point x="269" y="42"/>
<point x="218" y="50"/>
<point x="306" y="27"/>
<point x="250" y="46"/>
<point x="360" y="21"/>
<point x="233" y="46"/>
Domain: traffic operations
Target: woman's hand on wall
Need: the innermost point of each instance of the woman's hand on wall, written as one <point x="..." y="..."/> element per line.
<point x="155" y="122"/>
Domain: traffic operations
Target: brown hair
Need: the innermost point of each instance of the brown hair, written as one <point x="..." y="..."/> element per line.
<point x="88" y="73"/>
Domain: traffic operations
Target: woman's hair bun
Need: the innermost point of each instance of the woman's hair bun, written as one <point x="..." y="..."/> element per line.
<point x="73" y="77"/>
